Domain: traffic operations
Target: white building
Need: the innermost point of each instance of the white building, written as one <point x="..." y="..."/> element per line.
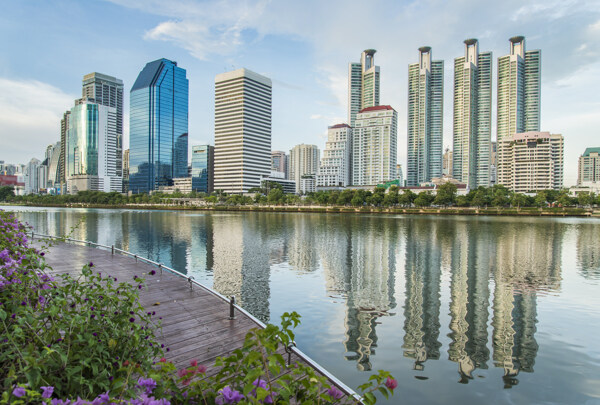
<point x="334" y="170"/>
<point x="363" y="84"/>
<point x="304" y="159"/>
<point x="531" y="161"/>
<point x="242" y="130"/>
<point x="307" y="184"/>
<point x="374" y="146"/>
<point x="588" y="173"/>
<point x="31" y="176"/>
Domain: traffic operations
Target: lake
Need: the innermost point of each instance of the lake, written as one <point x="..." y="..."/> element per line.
<point x="471" y="310"/>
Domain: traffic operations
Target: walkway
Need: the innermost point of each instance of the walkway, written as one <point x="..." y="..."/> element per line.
<point x="195" y="322"/>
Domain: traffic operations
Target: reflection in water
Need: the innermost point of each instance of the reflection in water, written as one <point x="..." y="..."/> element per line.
<point x="422" y="305"/>
<point x="488" y="273"/>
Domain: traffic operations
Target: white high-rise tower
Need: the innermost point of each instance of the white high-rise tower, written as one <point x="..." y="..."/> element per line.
<point x="363" y="84"/>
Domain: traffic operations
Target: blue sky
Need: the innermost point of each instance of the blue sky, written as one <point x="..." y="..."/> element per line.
<point x="303" y="46"/>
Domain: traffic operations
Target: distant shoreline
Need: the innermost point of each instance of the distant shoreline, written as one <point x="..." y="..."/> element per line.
<point x="469" y="211"/>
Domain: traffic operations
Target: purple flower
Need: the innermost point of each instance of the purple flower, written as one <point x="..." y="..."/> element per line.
<point x="91" y="264"/>
<point x="228" y="396"/>
<point x="47" y="391"/>
<point x="152" y="272"/>
<point x="334" y="393"/>
<point x="131" y="319"/>
<point x="19" y="392"/>
<point x="60" y="402"/>
<point x="148" y="384"/>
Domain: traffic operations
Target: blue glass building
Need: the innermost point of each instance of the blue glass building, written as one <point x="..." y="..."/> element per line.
<point x="202" y="168"/>
<point x="158" y="126"/>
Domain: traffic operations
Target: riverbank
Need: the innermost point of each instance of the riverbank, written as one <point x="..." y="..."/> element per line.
<point x="472" y="211"/>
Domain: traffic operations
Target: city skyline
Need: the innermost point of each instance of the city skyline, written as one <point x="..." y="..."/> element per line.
<point x="307" y="65"/>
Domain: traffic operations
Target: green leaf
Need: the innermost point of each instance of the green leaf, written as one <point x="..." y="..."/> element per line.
<point x="384" y="392"/>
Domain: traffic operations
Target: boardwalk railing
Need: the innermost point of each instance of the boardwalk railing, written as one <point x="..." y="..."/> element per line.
<point x="290" y="349"/>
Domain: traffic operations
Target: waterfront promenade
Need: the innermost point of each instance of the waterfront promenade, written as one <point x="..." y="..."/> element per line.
<point x="195" y="322"/>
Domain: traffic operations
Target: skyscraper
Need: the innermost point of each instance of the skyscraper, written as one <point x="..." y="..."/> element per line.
<point x="588" y="172"/>
<point x="425" y="118"/>
<point x="242" y="130"/>
<point x="363" y="84"/>
<point x="519" y="89"/>
<point x="107" y="90"/>
<point x="62" y="160"/>
<point x="304" y="160"/>
<point x="91" y="150"/>
<point x="374" y="146"/>
<point x="279" y="162"/>
<point x="203" y="168"/>
<point x="31" y="176"/>
<point x="472" y="130"/>
<point x="334" y="170"/>
<point x="158" y="129"/>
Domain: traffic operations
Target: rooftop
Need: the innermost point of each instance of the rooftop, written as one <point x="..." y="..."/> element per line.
<point x="591" y="150"/>
<point x="339" y="126"/>
<point x="376" y="108"/>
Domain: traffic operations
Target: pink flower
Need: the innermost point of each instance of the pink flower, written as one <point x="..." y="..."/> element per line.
<point x="334" y="393"/>
<point x="391" y="383"/>
<point x="201" y="369"/>
<point x="194" y="363"/>
<point x="182" y="373"/>
<point x="163" y="360"/>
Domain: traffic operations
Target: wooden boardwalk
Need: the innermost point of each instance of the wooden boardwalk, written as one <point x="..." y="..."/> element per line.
<point x="195" y="322"/>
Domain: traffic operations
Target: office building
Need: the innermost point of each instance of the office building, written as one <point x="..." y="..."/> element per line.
<point x="279" y="162"/>
<point x="531" y="161"/>
<point x="107" y="90"/>
<point x="242" y="130"/>
<point x="158" y="130"/>
<point x="399" y="175"/>
<point x="304" y="160"/>
<point x="52" y="162"/>
<point x="425" y="118"/>
<point x="588" y="172"/>
<point x="363" y="84"/>
<point x="91" y="150"/>
<point x="472" y="130"/>
<point x="126" y="170"/>
<point x="203" y="160"/>
<point x="31" y="176"/>
<point x="287" y="186"/>
<point x="519" y="90"/>
<point x="447" y="162"/>
<point x="493" y="163"/>
<point x="62" y="161"/>
<point x="334" y="170"/>
<point x="374" y="146"/>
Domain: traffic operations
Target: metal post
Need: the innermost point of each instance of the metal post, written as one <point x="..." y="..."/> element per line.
<point x="135" y="257"/>
<point x="232" y="308"/>
<point x="289" y="351"/>
<point x="112" y="249"/>
<point x="32" y="235"/>
<point x="160" y="268"/>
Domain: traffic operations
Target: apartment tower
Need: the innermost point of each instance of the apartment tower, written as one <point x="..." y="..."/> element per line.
<point x="363" y="84"/>
<point x="304" y="161"/>
<point x="242" y="130"/>
<point x="158" y="129"/>
<point x="425" y="118"/>
<point x="334" y="170"/>
<point x="472" y="131"/>
<point x="519" y="89"/>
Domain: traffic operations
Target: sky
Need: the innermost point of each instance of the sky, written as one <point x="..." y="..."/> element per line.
<point x="303" y="46"/>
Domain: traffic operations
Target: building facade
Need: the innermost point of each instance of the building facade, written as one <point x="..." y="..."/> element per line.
<point x="335" y="166"/>
<point x="203" y="160"/>
<point x="52" y="162"/>
<point x="519" y="90"/>
<point x="447" y="162"/>
<point x="304" y="160"/>
<point x="91" y="150"/>
<point x="31" y="176"/>
<point x="588" y="172"/>
<point x="62" y="163"/>
<point x="242" y="130"/>
<point x="363" y="84"/>
<point x="472" y="129"/>
<point x="158" y="126"/>
<point x="279" y="162"/>
<point x="374" y="146"/>
<point x="107" y="90"/>
<point x="531" y="161"/>
<point x="425" y="118"/>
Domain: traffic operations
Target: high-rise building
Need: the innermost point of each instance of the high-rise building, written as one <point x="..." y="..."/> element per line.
<point x="279" y="162"/>
<point x="126" y="170"/>
<point x="519" y="90"/>
<point x="374" y="146"/>
<point x="472" y="130"/>
<point x="107" y="90"/>
<point x="589" y="167"/>
<point x="31" y="176"/>
<point x="493" y="163"/>
<point x="203" y="160"/>
<point x="447" y="162"/>
<point x="242" y="130"/>
<point x="91" y="150"/>
<point x="52" y="159"/>
<point x="363" y="84"/>
<point x="425" y="118"/>
<point x="62" y="163"/>
<point x="334" y="170"/>
<point x="158" y="129"/>
<point x="399" y="174"/>
<point x="531" y="161"/>
<point x="304" y="160"/>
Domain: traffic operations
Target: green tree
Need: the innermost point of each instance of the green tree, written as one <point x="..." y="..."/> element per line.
<point x="359" y="198"/>
<point x="446" y="194"/>
<point x="406" y="198"/>
<point x="462" y="201"/>
<point x="519" y="200"/>
<point x="275" y="196"/>
<point x="6" y="192"/>
<point x="585" y="199"/>
<point x="480" y="198"/>
<point x="345" y="197"/>
<point x="541" y="198"/>
<point x="424" y="199"/>
<point x="391" y="198"/>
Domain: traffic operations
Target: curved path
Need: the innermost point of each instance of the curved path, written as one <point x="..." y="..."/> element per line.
<point x="195" y="322"/>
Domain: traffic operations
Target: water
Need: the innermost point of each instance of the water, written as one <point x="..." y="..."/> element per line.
<point x="460" y="309"/>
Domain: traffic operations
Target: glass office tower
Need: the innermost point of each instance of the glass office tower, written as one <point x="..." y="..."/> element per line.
<point x="202" y="168"/>
<point x="158" y="126"/>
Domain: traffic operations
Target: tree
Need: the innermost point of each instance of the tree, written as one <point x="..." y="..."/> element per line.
<point x="446" y="194"/>
<point x="406" y="198"/>
<point x="424" y="199"/>
<point x="519" y="200"/>
<point x="462" y="201"/>
<point x="541" y="198"/>
<point x="345" y="197"/>
<point x="275" y="196"/>
<point x="480" y="198"/>
<point x="585" y="199"/>
<point x="359" y="198"/>
<point x="6" y="192"/>
<point x="391" y="198"/>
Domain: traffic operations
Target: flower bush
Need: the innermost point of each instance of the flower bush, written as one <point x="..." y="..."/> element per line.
<point x="88" y="337"/>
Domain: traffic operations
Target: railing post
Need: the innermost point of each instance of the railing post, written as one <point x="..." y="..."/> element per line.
<point x="32" y="235"/>
<point x="135" y="257"/>
<point x="160" y="268"/>
<point x="232" y="308"/>
<point x="112" y="249"/>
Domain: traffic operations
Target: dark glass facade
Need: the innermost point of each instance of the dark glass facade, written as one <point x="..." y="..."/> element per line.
<point x="158" y="126"/>
<point x="202" y="168"/>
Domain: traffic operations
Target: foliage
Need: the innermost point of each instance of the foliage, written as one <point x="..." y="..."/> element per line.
<point x="424" y="199"/>
<point x="446" y="194"/>
<point x="6" y="192"/>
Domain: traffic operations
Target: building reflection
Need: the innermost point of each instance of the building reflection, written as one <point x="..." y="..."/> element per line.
<point x="588" y="251"/>
<point x="422" y="304"/>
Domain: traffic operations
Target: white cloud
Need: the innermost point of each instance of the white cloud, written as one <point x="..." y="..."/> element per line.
<point x="30" y="110"/>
